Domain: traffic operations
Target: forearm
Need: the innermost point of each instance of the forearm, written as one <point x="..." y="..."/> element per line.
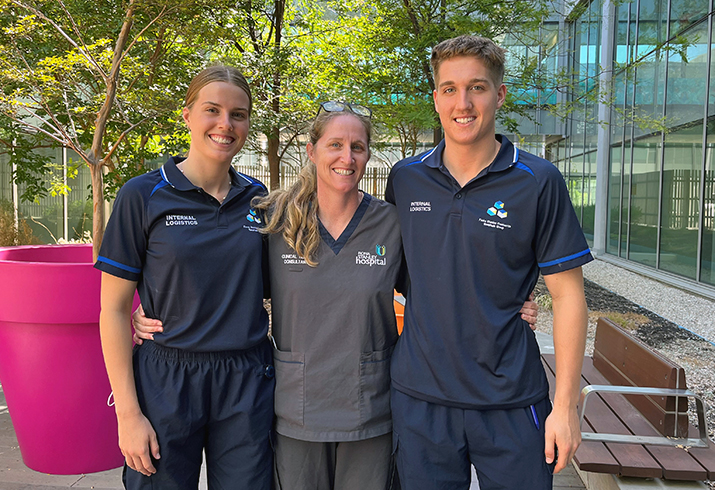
<point x="117" y="344"/>
<point x="569" y="330"/>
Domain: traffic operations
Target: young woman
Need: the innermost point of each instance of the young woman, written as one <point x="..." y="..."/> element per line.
<point x="335" y="256"/>
<point x="185" y="237"/>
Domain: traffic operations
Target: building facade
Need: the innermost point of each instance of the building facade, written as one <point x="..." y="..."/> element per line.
<point x="638" y="156"/>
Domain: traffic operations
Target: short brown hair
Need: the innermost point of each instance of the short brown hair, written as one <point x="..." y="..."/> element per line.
<point x="482" y="48"/>
<point x="217" y="73"/>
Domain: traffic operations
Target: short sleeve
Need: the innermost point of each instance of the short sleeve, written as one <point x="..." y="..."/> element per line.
<point x="389" y="189"/>
<point x="559" y="242"/>
<point x="123" y="248"/>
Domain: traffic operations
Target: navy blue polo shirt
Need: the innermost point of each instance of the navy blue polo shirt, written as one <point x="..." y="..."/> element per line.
<point x="200" y="264"/>
<point x="474" y="254"/>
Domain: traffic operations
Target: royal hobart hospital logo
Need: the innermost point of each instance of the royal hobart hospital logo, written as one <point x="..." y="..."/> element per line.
<point x="367" y="258"/>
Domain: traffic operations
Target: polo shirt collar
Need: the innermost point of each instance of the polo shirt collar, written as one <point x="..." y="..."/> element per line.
<point x="506" y="157"/>
<point x="176" y="179"/>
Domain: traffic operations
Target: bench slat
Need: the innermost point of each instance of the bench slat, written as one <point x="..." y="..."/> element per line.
<point x="677" y="463"/>
<point x="626" y="361"/>
<point x="705" y="456"/>
<point x="633" y="459"/>
<point x="590" y="456"/>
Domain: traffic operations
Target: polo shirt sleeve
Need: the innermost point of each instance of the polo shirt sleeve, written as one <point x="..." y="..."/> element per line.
<point x="124" y="245"/>
<point x="389" y="189"/>
<point x="559" y="242"/>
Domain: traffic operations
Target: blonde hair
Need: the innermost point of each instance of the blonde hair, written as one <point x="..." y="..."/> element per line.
<point x="482" y="48"/>
<point x="217" y="73"/>
<point x="294" y="212"/>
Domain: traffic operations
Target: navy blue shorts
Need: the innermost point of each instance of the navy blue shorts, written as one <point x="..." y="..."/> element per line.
<point x="217" y="402"/>
<point x="435" y="445"/>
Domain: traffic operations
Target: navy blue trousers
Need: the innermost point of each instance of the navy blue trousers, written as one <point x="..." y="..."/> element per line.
<point x="435" y="445"/>
<point x="217" y="402"/>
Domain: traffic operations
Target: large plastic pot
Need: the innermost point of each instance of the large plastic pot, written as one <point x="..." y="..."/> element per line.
<point x="51" y="365"/>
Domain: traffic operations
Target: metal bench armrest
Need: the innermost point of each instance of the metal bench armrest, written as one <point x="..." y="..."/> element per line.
<point x="655" y="440"/>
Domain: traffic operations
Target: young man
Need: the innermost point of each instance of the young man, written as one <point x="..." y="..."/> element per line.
<point x="480" y="219"/>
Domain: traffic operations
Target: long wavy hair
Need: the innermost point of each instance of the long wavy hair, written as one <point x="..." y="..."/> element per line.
<point x="294" y="212"/>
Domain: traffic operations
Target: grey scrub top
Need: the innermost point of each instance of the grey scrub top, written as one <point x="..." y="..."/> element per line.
<point x="334" y="329"/>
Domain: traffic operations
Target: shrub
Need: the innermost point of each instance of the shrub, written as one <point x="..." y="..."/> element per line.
<point x="10" y="233"/>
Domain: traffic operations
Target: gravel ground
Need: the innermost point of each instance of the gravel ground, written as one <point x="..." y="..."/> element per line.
<point x="655" y="313"/>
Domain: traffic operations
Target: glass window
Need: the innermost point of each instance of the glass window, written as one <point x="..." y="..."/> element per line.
<point x="79" y="211"/>
<point x="46" y="216"/>
<point x="614" y="200"/>
<point x="681" y="200"/>
<point x="574" y="181"/>
<point x="589" y="196"/>
<point x="652" y="25"/>
<point x="684" y="13"/>
<point x="687" y="77"/>
<point x="645" y="180"/>
<point x="707" y="267"/>
<point x="649" y="92"/>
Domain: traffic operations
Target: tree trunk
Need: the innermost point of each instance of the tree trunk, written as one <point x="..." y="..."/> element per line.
<point x="274" y="163"/>
<point x="100" y="127"/>
<point x="274" y="137"/>
<point x="97" y="208"/>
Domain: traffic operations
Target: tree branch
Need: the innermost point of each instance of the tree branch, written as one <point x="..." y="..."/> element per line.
<point x="87" y="52"/>
<point x="121" y="138"/>
<point x="62" y="32"/>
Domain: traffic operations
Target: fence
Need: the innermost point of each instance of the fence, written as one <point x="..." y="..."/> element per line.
<point x="373" y="182"/>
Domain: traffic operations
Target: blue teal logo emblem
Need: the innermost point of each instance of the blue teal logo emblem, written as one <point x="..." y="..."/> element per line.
<point x="253" y="217"/>
<point x="497" y="210"/>
<point x="380" y="250"/>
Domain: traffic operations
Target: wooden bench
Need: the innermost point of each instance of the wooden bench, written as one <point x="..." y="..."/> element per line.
<point x="656" y="419"/>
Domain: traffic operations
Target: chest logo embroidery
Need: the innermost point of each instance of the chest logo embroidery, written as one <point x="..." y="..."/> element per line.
<point x="253" y="217"/>
<point x="497" y="210"/>
<point x="369" y="259"/>
<point x="292" y="259"/>
<point x="420" y="206"/>
<point x="181" y="220"/>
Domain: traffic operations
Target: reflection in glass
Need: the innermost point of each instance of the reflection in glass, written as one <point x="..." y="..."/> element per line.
<point x="681" y="200"/>
<point x="574" y="181"/>
<point x="614" y="201"/>
<point x="687" y="77"/>
<point x="707" y="270"/>
<point x="589" y="196"/>
<point x="683" y="13"/>
<point x="645" y="180"/>
<point x="652" y="25"/>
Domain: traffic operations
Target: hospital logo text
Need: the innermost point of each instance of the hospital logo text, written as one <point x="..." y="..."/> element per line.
<point x="369" y="259"/>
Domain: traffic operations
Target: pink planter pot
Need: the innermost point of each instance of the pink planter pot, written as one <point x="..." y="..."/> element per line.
<point x="51" y="365"/>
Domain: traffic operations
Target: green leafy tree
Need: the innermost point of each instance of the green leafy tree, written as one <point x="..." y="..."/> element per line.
<point x="101" y="78"/>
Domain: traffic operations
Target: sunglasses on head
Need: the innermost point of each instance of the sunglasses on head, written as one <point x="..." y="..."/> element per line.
<point x="337" y="106"/>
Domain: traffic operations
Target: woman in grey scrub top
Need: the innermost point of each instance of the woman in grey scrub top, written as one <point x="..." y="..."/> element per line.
<point x="335" y="257"/>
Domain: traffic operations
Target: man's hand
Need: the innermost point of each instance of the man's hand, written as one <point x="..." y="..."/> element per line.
<point x="563" y="434"/>
<point x="144" y="328"/>
<point x="530" y="311"/>
<point x="138" y="443"/>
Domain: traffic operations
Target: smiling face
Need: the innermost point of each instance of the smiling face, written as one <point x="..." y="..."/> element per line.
<point x="466" y="99"/>
<point x="218" y="122"/>
<point x="340" y="154"/>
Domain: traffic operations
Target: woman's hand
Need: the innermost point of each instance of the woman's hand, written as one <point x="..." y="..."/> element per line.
<point x="529" y="312"/>
<point x="145" y="328"/>
<point x="138" y="443"/>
